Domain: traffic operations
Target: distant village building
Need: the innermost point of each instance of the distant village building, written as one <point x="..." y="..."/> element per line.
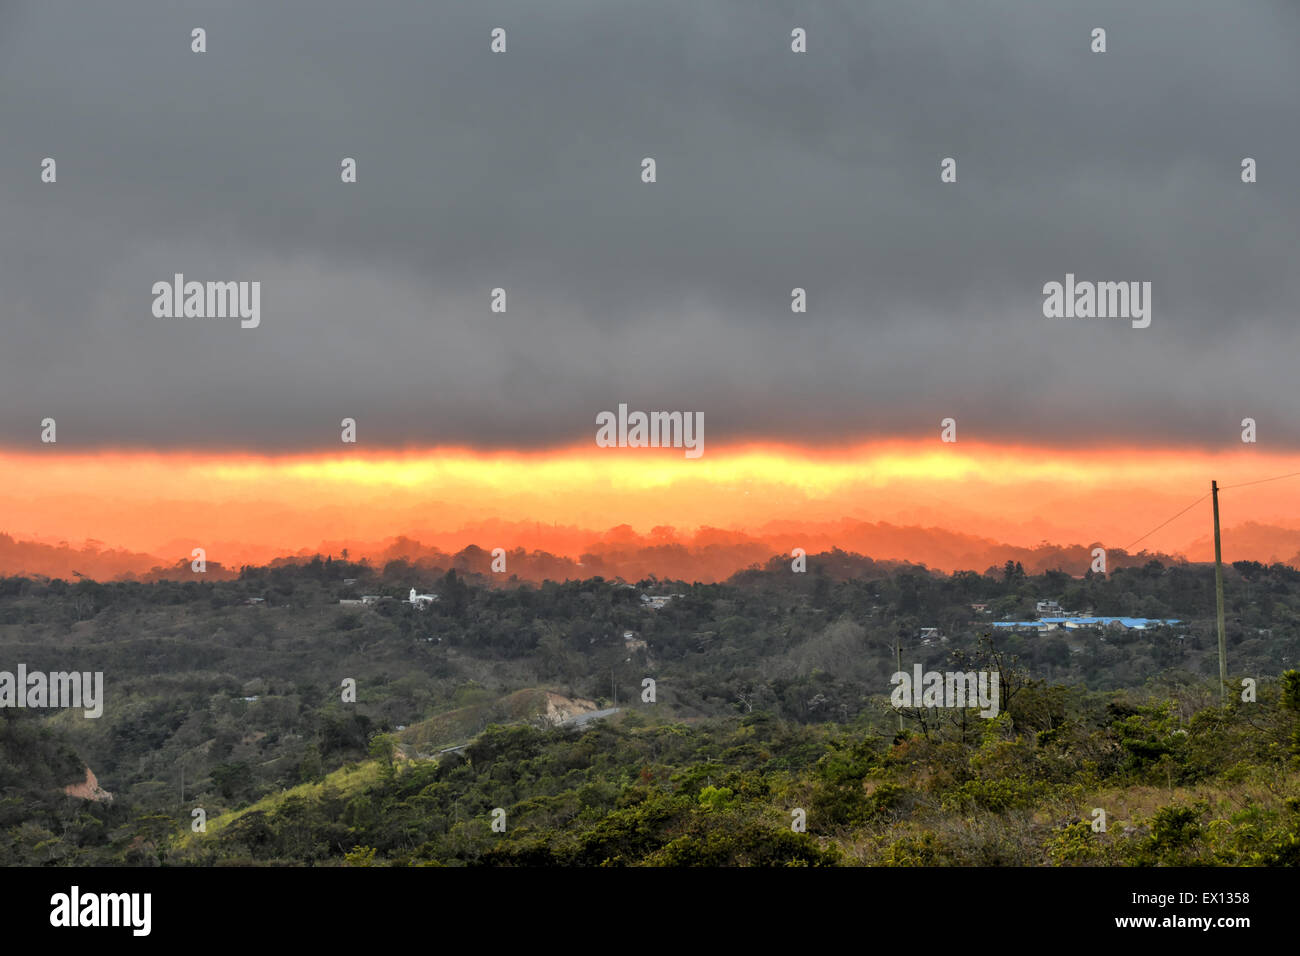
<point x="371" y="598"/>
<point x="979" y="608"/>
<point x="657" y="602"/>
<point x="1087" y="623"/>
<point x="1047" y="609"/>
<point x="422" y="600"/>
<point x="1119" y="623"/>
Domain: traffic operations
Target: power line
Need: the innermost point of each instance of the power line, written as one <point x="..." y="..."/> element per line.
<point x="1203" y="497"/>
<point x="1261" y="481"/>
<point x="1163" y="523"/>
<point x="1218" y="566"/>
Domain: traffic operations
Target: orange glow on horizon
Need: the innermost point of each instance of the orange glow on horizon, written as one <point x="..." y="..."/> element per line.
<point x="248" y="508"/>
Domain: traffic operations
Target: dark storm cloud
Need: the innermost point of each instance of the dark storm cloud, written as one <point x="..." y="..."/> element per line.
<point x="522" y="171"/>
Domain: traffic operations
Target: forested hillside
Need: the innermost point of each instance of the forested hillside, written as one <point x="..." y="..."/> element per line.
<point x="771" y="696"/>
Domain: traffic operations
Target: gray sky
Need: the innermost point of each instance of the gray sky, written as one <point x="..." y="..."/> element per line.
<point x="522" y="170"/>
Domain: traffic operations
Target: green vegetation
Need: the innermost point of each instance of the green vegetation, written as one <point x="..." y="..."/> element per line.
<point x="1224" y="790"/>
<point x="772" y="696"/>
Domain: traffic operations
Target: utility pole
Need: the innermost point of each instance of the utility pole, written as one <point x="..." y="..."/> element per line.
<point x="1218" y="597"/>
<point x="899" y="650"/>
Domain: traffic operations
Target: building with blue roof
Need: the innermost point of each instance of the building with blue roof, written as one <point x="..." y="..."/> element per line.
<point x="1083" y="623"/>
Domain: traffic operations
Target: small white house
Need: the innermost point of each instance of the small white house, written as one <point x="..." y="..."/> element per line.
<point x="422" y="600"/>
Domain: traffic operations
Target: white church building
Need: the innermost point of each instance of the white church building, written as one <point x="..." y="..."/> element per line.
<point x="422" y="600"/>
